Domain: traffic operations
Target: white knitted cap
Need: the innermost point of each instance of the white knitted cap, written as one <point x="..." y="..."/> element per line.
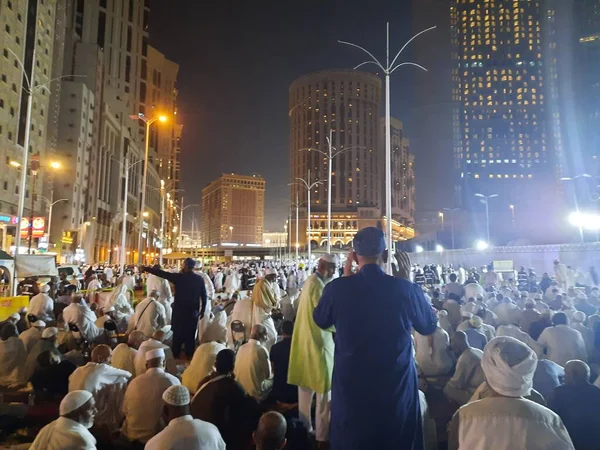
<point x="74" y="400"/>
<point x="155" y="353"/>
<point x="177" y="396"/>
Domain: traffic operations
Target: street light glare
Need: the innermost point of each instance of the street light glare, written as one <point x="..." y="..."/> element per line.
<point x="588" y="221"/>
<point x="481" y="245"/>
<point x="162" y="118"/>
<point x="145" y="214"/>
<point x="15" y="164"/>
<point x="418" y="249"/>
<point x="55" y="165"/>
<point x="439" y="248"/>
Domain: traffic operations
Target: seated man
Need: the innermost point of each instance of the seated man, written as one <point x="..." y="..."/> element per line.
<point x="506" y="421"/>
<point x="123" y="356"/>
<point x="149" y="315"/>
<point x="51" y="378"/>
<point x="42" y="305"/>
<point x="13" y="356"/>
<point x="48" y="343"/>
<point x="70" y="431"/>
<point x="252" y="368"/>
<point x="106" y="383"/>
<point x="223" y="402"/>
<point x="547" y="376"/>
<point x="561" y="343"/>
<point x="271" y="431"/>
<point x="156" y="341"/>
<point x="468" y="375"/>
<point x="32" y="335"/>
<point x="201" y="365"/>
<point x="280" y="358"/>
<point x="578" y="405"/>
<point x="142" y="405"/>
<point x="515" y="332"/>
<point x="183" y="431"/>
<point x="476" y="337"/>
<point x="432" y="353"/>
<point x="78" y="313"/>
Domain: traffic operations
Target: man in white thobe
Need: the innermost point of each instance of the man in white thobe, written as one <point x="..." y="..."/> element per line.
<point x="150" y="344"/>
<point x="149" y="316"/>
<point x="201" y="365"/>
<point x="432" y="353"/>
<point x="219" y="280"/>
<point x="142" y="405"/>
<point x="32" y="335"/>
<point x="205" y="320"/>
<point x="128" y="280"/>
<point x="79" y="313"/>
<point x="507" y="421"/>
<point x="561" y="343"/>
<point x="119" y="299"/>
<point x="13" y="356"/>
<point x="242" y="311"/>
<point x="106" y="383"/>
<point x="123" y="356"/>
<point x="165" y="296"/>
<point x="252" y="365"/>
<point x="70" y="431"/>
<point x="110" y="275"/>
<point x="41" y="305"/>
<point x="507" y="312"/>
<point x="468" y="375"/>
<point x="515" y="332"/>
<point x="183" y="431"/>
<point x="577" y="323"/>
<point x="560" y="273"/>
<point x="264" y="300"/>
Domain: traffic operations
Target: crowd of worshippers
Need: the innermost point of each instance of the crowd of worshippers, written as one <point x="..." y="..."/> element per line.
<point x="258" y="372"/>
<point x="500" y="342"/>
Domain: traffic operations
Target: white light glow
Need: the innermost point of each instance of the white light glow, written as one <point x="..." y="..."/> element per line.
<point x="481" y="245"/>
<point x="418" y="249"/>
<point x="439" y="248"/>
<point x="586" y="221"/>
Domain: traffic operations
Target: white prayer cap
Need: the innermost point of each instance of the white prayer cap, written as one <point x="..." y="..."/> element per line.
<point x="73" y="400"/>
<point x="155" y="353"/>
<point x="39" y="323"/>
<point x="466" y="314"/>
<point x="45" y="289"/>
<point x="476" y="321"/>
<point x="514" y="380"/>
<point x="578" y="316"/>
<point x="111" y="308"/>
<point x="270" y="271"/>
<point x="49" y="332"/>
<point x="330" y="258"/>
<point x="177" y="396"/>
<point x="15" y="316"/>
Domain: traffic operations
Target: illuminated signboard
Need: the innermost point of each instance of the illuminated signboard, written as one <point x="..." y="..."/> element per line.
<point x="38" y="228"/>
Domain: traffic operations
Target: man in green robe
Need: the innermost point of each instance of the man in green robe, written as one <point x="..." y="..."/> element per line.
<point x="311" y="356"/>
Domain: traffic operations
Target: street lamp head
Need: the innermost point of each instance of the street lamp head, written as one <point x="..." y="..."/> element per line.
<point x="511" y="206"/>
<point x="162" y="118"/>
<point x="15" y="164"/>
<point x="55" y="165"/>
<point x="480" y="195"/>
<point x="146" y="214"/>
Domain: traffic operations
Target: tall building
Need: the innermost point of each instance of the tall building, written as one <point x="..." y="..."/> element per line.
<point x="506" y="121"/>
<point x="345" y="104"/>
<point x="106" y="48"/>
<point x="403" y="174"/>
<point x="27" y="40"/>
<point x="233" y="211"/>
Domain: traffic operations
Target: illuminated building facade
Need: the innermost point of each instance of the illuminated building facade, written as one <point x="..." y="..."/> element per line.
<point x="346" y="103"/>
<point x="506" y="120"/>
<point x="233" y="211"/>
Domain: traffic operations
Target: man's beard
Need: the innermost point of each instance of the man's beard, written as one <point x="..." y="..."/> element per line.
<point x="88" y="422"/>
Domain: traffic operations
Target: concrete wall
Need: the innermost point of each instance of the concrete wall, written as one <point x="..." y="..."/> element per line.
<point x="538" y="257"/>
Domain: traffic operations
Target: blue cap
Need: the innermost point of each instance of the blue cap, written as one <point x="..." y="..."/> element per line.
<point x="191" y="263"/>
<point x="369" y="241"/>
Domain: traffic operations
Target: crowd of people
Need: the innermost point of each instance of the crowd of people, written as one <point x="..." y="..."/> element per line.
<point x="337" y="354"/>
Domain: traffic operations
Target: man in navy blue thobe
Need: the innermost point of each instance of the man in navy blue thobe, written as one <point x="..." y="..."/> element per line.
<point x="189" y="304"/>
<point x="375" y="398"/>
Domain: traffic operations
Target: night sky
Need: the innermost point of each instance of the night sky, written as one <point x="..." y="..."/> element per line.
<point x="237" y="60"/>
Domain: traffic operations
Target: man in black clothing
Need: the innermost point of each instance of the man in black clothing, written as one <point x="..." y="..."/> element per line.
<point x="51" y="378"/>
<point x="280" y="358"/>
<point x="188" y="306"/>
<point x="223" y="402"/>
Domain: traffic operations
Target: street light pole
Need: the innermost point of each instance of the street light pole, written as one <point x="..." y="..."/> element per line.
<point x="388" y="70"/>
<point x="297" y="226"/>
<point x="452" y="211"/>
<point x="485" y="199"/>
<point x="309" y="187"/>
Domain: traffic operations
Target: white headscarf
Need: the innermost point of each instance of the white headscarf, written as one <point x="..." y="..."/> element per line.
<point x="515" y="381"/>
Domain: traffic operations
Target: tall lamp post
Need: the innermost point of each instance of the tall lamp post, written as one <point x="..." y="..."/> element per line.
<point x="331" y="153"/>
<point x="148" y="122"/>
<point x="181" y="221"/>
<point x="452" y="211"/>
<point x="388" y="69"/>
<point x="485" y="199"/>
<point x="309" y="186"/>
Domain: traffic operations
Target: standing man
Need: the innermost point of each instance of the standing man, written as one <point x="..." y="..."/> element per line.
<point x="264" y="300"/>
<point x="188" y="306"/>
<point x="311" y="356"/>
<point x="375" y="395"/>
